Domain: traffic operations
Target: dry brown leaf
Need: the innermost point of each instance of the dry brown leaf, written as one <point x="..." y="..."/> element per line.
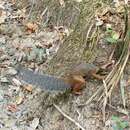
<point x="12" y="107"/>
<point x="29" y="88"/>
<point x="31" y="27"/>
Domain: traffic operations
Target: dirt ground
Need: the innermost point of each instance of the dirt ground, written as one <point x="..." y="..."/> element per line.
<point x="30" y="108"/>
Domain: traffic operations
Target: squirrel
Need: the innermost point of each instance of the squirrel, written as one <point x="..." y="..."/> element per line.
<point x="75" y="80"/>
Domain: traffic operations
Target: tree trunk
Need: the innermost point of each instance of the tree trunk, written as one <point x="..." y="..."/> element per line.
<point x="74" y="49"/>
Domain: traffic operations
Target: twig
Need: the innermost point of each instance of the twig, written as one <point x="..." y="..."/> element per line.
<point x="122" y="89"/>
<point x="68" y="117"/>
<point x="105" y="101"/>
<point x="94" y="95"/>
<point x="30" y="9"/>
<point x="122" y="111"/>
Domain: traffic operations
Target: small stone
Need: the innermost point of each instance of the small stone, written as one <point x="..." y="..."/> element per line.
<point x="4" y="57"/>
<point x="4" y="80"/>
<point x="16" y="81"/>
<point x="12" y="71"/>
<point x="34" y="123"/>
<point x="11" y="51"/>
<point x="10" y="122"/>
<point x="2" y="40"/>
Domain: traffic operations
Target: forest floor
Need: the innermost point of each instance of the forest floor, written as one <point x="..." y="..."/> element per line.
<point x="27" y="107"/>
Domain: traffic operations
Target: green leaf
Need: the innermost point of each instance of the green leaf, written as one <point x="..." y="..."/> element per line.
<point x="115" y="35"/>
<point x="111" y="40"/>
<point x="124" y="124"/>
<point x="115" y="118"/>
<point x="120" y="124"/>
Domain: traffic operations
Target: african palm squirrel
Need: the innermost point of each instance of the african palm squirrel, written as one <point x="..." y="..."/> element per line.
<point x="74" y="80"/>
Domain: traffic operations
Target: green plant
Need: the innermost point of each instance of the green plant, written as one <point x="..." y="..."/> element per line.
<point x="112" y="36"/>
<point x="119" y="124"/>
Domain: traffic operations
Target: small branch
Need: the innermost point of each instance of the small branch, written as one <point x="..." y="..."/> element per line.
<point x="31" y="9"/>
<point x="69" y="118"/>
<point x="105" y="101"/>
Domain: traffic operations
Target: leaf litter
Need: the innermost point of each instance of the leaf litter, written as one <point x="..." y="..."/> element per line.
<point x="24" y="41"/>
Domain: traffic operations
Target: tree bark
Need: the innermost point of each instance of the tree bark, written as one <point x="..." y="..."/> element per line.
<point x="75" y="49"/>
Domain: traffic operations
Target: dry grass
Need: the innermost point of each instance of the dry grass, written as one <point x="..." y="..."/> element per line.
<point x="103" y="94"/>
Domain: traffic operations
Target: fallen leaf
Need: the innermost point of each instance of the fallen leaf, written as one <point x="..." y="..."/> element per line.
<point x="19" y="99"/>
<point x="2" y="16"/>
<point x="13" y="1"/>
<point x="78" y="1"/>
<point x="34" y="123"/>
<point x="62" y="3"/>
<point x="16" y="81"/>
<point x="31" y="27"/>
<point x="12" y="107"/>
<point x="4" y="80"/>
<point x="99" y="22"/>
<point x="12" y="71"/>
<point x="29" y="87"/>
<point x="9" y="123"/>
